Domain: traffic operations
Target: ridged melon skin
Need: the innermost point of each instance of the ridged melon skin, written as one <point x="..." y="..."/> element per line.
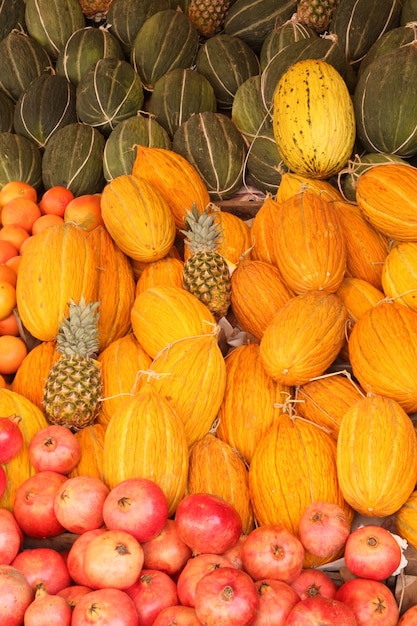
<point x="20" y="159"/>
<point x="82" y="51"/>
<point x="6" y="113"/>
<point x="51" y="22"/>
<point x="166" y="40"/>
<point x="46" y="105"/>
<point x="22" y="59"/>
<point x="73" y="158"/>
<point x="12" y="15"/>
<point x="109" y="93"/>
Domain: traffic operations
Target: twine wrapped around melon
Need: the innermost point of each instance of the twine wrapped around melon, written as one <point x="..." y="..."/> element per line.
<point x="304" y="337"/>
<point x="383" y="352"/>
<point x="32" y="420"/>
<point x="163" y="314"/>
<point x="210" y="457"/>
<point x="369" y="466"/>
<point x="313" y="119"/>
<point x="358" y="296"/>
<point x="138" y="218"/>
<point x="294" y="465"/>
<point x="258" y="292"/>
<point x="283" y="35"/>
<point x="366" y="247"/>
<point x="121" y="363"/>
<point x="91" y="439"/>
<point x="20" y="159"/>
<point x="292" y="183"/>
<point x="59" y="265"/>
<point x="115" y="286"/>
<point x="399" y="273"/>
<point x="251" y="403"/>
<point x="175" y="178"/>
<point x="145" y="437"/>
<point x="29" y="380"/>
<point x="309" y="244"/>
<point x="405" y="520"/>
<point x="326" y="399"/>
<point x="349" y="176"/>
<point x="169" y="373"/>
<point x="385" y="196"/>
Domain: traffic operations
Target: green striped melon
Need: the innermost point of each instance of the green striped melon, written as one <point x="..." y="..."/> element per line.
<point x="22" y="59"/>
<point x="282" y="36"/>
<point x="253" y="20"/>
<point x="226" y="61"/>
<point x="51" y="22"/>
<point x="82" y="51"/>
<point x="12" y="16"/>
<point x="389" y="41"/>
<point x="264" y="163"/>
<point x="359" y="23"/>
<point x="408" y="12"/>
<point x="108" y="94"/>
<point x="6" y="113"/>
<point x="126" y="17"/>
<point x="73" y="158"/>
<point x="166" y="40"/>
<point x="390" y="78"/>
<point x="120" y="148"/>
<point x="46" y="105"/>
<point x="20" y="159"/>
<point x="249" y="114"/>
<point x="214" y="146"/>
<point x="178" y="94"/>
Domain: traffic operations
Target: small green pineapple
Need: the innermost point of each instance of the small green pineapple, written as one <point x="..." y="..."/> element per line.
<point x="206" y="272"/>
<point x="74" y="386"/>
<point x="316" y="14"/>
<point x="208" y="16"/>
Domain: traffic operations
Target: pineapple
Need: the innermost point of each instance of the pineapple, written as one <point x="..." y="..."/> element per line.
<point x="207" y="16"/>
<point x="316" y="13"/>
<point x="74" y="386"/>
<point x="206" y="273"/>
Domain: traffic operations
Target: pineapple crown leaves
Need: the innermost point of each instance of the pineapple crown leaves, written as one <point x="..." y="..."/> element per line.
<point x="203" y="232"/>
<point x="78" y="333"/>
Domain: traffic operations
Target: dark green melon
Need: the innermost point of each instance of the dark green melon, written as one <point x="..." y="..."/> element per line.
<point x="389" y="41"/>
<point x="108" y="94"/>
<point x="166" y="40"/>
<point x="52" y="22"/>
<point x="12" y="16"/>
<point x="360" y="164"/>
<point x="178" y="94"/>
<point x="20" y="160"/>
<point x="408" y="12"/>
<point x="253" y="20"/>
<point x="325" y="48"/>
<point x="217" y="150"/>
<point x="82" y="51"/>
<point x="359" y="23"/>
<point x="281" y="36"/>
<point x="385" y="103"/>
<point x="126" y="17"/>
<point x="226" y="61"/>
<point x="22" y="59"/>
<point x="249" y="114"/>
<point x="264" y="163"/>
<point x="73" y="158"/>
<point x="46" y="105"/>
<point x="120" y="148"/>
<point x="6" y="113"/>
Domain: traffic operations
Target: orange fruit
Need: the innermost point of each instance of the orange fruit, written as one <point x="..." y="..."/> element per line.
<point x="3" y="384"/>
<point x="15" y="234"/>
<point x="20" y="211"/>
<point x="17" y="189"/>
<point x="85" y="211"/>
<point x="7" y="274"/>
<point x="45" y="220"/>
<point x="54" y="200"/>
<point x="14" y="263"/>
<point x="9" y="326"/>
<point x="12" y="352"/>
<point x="7" y="250"/>
<point x="7" y="299"/>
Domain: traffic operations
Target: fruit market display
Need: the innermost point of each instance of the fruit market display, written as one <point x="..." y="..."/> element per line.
<point x="208" y="319"/>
